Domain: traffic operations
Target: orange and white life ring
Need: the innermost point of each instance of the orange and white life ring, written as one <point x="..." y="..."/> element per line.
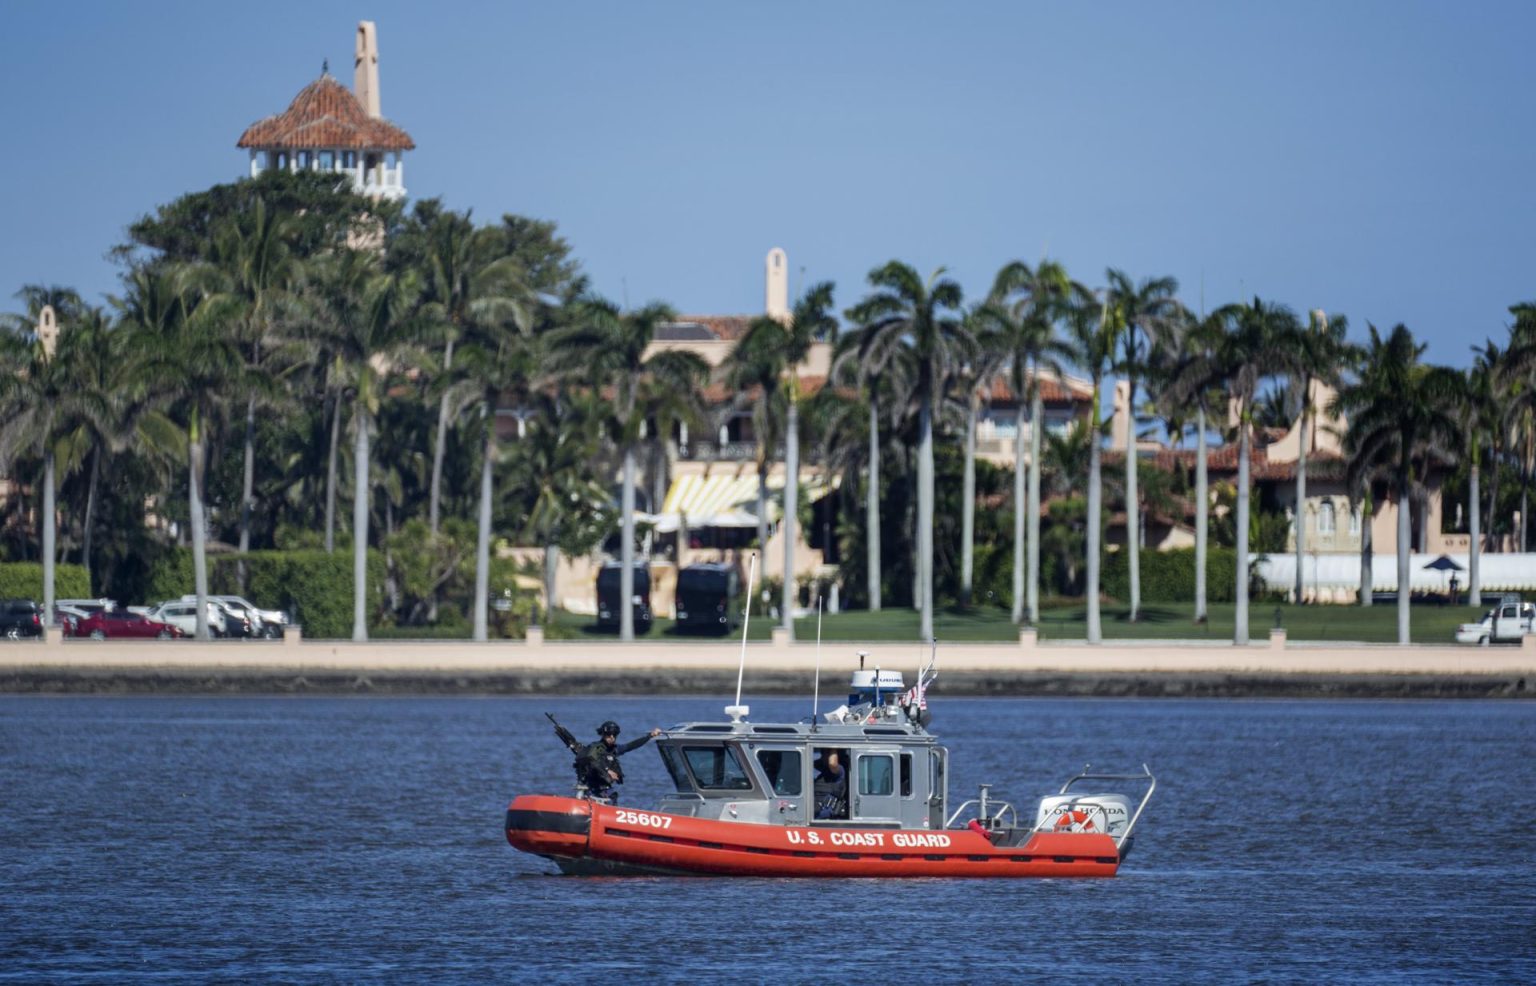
<point x="1074" y="821"/>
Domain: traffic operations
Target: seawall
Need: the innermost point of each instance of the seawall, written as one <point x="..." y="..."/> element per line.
<point x="1161" y="668"/>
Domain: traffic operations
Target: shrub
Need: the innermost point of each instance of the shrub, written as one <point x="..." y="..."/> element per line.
<point x="24" y="580"/>
<point x="313" y="587"/>
<point x="1169" y="576"/>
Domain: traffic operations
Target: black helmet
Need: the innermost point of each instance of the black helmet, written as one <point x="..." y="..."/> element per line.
<point x="609" y="728"/>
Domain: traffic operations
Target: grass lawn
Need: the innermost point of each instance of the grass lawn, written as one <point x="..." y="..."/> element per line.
<point x="1159" y="621"/>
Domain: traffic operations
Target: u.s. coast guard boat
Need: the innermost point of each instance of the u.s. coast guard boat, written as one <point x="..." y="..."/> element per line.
<point x="759" y="799"/>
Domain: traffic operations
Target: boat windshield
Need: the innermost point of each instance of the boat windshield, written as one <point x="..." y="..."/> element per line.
<point x="679" y="774"/>
<point x="716" y="768"/>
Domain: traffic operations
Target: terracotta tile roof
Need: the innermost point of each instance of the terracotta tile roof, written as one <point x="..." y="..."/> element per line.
<point x="1052" y="391"/>
<point x="325" y="114"/>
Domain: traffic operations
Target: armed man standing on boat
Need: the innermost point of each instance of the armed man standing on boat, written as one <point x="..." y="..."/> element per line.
<point x="597" y="764"/>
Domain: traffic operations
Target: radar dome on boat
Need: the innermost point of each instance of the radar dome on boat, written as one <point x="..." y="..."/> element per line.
<point x="868" y="681"/>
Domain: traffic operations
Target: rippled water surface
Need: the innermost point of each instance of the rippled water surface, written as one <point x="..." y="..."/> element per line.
<point x="306" y="839"/>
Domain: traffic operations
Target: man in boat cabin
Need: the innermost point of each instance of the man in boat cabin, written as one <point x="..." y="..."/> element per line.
<point x="830" y="785"/>
<point x="597" y="764"/>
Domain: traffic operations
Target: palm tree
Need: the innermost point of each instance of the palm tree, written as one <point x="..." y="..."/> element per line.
<point x="923" y="316"/>
<point x="876" y="360"/>
<point x="1191" y="340"/>
<point x="1480" y="414"/>
<point x="1151" y="308"/>
<point x="1093" y="339"/>
<point x="769" y="355"/>
<point x="369" y="326"/>
<point x="1242" y="345"/>
<point x="1027" y="304"/>
<point x="1321" y="352"/>
<point x="1399" y="405"/>
<point x="466" y="276"/>
<point x="554" y="462"/>
<point x="33" y="401"/>
<point x="256" y="267"/>
<point x="606" y="349"/>
<point x="190" y="367"/>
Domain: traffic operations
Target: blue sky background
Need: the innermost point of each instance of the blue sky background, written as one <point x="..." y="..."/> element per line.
<point x="1374" y="159"/>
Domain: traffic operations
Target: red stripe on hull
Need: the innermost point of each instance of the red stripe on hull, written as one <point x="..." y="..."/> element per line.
<point x="653" y="840"/>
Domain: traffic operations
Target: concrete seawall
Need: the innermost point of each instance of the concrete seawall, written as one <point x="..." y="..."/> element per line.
<point x="1121" y="668"/>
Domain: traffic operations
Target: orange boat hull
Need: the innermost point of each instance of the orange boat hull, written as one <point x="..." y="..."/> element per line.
<point x="584" y="836"/>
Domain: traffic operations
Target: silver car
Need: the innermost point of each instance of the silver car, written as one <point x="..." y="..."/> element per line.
<point x="183" y="615"/>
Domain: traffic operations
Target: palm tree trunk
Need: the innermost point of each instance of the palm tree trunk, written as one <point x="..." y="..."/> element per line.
<point x="1240" y="590"/>
<point x="551" y="570"/>
<point x="1422" y="507"/>
<point x="248" y="482"/>
<point x="1367" y="575"/>
<point x="791" y="506"/>
<point x="483" y="534"/>
<point x="1301" y="497"/>
<point x="1493" y="501"/>
<point x="436" y="495"/>
<point x="330" y="479"/>
<point x="50" y="522"/>
<point x="1404" y="533"/>
<point x="872" y="507"/>
<point x="360" y="524"/>
<point x="1095" y="509"/>
<point x="627" y="549"/>
<point x="1032" y="508"/>
<point x="925" y="513"/>
<point x="90" y="515"/>
<point x="762" y="519"/>
<point x="195" y="521"/>
<point x="1474" y="533"/>
<point x="1020" y="514"/>
<point x="968" y="504"/>
<point x="1132" y="504"/>
<point x="1202" y="508"/>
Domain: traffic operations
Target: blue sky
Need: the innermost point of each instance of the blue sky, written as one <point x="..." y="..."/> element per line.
<point x="1374" y="159"/>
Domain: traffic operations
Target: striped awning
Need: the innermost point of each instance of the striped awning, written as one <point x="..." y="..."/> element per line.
<point x="731" y="501"/>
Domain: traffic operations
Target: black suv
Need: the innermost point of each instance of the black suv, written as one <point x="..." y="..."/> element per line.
<point x="20" y="618"/>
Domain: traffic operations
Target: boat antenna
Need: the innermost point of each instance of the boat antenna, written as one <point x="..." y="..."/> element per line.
<point x="816" y="694"/>
<point x="738" y="711"/>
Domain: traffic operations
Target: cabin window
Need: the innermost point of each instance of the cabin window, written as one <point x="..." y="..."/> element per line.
<point x="716" y="768"/>
<point x="675" y="769"/>
<point x="906" y="775"/>
<point x="782" y="767"/>
<point x="877" y="775"/>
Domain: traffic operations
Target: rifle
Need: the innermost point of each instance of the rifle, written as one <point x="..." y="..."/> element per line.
<point x="569" y="740"/>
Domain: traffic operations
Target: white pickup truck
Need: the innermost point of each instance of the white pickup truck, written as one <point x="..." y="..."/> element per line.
<point x="1505" y="623"/>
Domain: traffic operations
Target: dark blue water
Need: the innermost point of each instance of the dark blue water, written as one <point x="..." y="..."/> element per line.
<point x="304" y="839"/>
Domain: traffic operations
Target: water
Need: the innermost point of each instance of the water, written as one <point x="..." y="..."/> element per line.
<point x="303" y="839"/>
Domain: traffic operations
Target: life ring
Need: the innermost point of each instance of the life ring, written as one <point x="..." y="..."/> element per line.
<point x="1074" y="821"/>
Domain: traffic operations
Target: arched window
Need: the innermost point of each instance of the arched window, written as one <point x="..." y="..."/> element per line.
<point x="1354" y="521"/>
<point x="1325" y="518"/>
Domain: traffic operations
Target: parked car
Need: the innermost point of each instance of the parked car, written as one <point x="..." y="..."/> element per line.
<point x="111" y="623"/>
<point x="183" y="616"/>
<point x="706" y="598"/>
<point x="1505" y="623"/>
<point x="608" y="596"/>
<point x="20" y="618"/>
<point x="264" y="622"/>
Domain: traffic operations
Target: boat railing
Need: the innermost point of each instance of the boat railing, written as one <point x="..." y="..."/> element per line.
<point x="1087" y="774"/>
<point x="988" y="812"/>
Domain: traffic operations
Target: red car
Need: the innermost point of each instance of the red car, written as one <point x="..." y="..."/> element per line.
<point x="122" y="623"/>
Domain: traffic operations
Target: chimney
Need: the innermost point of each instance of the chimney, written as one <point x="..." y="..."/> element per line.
<point x="776" y="304"/>
<point x="365" y="83"/>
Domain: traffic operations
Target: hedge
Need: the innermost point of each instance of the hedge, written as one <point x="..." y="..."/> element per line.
<point x="1169" y="576"/>
<point x="24" y="580"/>
<point x="313" y="587"/>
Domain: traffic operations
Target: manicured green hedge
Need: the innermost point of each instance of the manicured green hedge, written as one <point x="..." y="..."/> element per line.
<point x="24" y="580"/>
<point x="1169" y="576"/>
<point x="313" y="587"/>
